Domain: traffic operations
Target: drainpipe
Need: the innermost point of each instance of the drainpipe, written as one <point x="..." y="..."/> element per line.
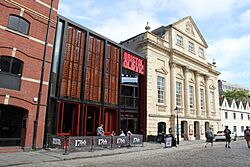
<point x="41" y="80"/>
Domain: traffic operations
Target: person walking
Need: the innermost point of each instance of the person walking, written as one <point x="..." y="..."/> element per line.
<point x="227" y="133"/>
<point x="99" y="130"/>
<point x="209" y="137"/>
<point x="247" y="136"/>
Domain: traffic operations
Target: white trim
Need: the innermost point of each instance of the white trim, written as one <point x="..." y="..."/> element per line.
<point x="44" y="4"/>
<point x="26" y="36"/>
<point x="34" y="80"/>
<point x="13" y="52"/>
<point x="6" y="100"/>
<point x="21" y="12"/>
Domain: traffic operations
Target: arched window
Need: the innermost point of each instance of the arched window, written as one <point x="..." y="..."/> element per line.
<point x="10" y="72"/>
<point x="18" y="24"/>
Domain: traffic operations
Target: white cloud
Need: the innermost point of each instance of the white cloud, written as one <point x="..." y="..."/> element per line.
<point x="229" y="51"/>
<point x="128" y="24"/>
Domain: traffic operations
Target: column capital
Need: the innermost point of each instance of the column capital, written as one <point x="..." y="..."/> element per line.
<point x="206" y="77"/>
<point x="172" y="64"/>
<point x="197" y="74"/>
<point x="186" y="69"/>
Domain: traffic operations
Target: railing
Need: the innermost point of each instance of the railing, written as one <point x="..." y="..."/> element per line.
<point x="69" y="144"/>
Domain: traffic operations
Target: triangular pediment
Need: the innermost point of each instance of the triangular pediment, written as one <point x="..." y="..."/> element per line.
<point x="225" y="103"/>
<point x="188" y="27"/>
<point x="162" y="70"/>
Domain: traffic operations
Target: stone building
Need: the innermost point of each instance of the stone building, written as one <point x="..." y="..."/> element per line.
<point x="181" y="85"/>
<point x="235" y="115"/>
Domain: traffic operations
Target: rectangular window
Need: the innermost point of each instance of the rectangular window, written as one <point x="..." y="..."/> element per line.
<point x="248" y="117"/>
<point x="234" y="115"/>
<point x="242" y="128"/>
<point x="201" y="53"/>
<point x="241" y="116"/>
<point x="226" y="115"/>
<point x="191" y="47"/>
<point x="178" y="94"/>
<point x="202" y="98"/>
<point x="235" y="129"/>
<point x="179" y="40"/>
<point x="212" y="105"/>
<point x="191" y="96"/>
<point x="160" y="88"/>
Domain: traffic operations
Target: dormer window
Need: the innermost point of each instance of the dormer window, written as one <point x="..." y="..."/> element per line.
<point x="191" y="47"/>
<point x="18" y="24"/>
<point x="201" y="53"/>
<point x="179" y="40"/>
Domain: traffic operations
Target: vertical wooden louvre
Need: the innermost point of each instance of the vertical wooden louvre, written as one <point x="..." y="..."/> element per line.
<point x="73" y="63"/>
<point x="112" y="75"/>
<point x="94" y="66"/>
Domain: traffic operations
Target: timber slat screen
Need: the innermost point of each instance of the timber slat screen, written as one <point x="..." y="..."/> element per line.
<point x="112" y="75"/>
<point x="94" y="66"/>
<point x="73" y="63"/>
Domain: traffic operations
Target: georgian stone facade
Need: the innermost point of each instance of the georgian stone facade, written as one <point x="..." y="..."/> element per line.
<point x="178" y="76"/>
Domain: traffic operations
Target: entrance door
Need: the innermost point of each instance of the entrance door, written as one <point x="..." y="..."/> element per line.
<point x="68" y="119"/>
<point x="129" y="124"/>
<point x="92" y="119"/>
<point x="11" y="123"/>
<point x="197" y="130"/>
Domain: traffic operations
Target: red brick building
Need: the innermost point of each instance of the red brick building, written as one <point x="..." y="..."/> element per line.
<point x="23" y="29"/>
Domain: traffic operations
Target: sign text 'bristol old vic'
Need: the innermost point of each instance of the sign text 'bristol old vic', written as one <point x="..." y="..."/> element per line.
<point x="133" y="63"/>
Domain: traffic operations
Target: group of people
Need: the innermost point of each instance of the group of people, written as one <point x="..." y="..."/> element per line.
<point x="227" y="132"/>
<point x="100" y="132"/>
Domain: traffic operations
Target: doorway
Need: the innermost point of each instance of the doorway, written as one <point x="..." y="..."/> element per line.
<point x="197" y="130"/>
<point x="92" y="119"/>
<point x="12" y="125"/>
<point x="184" y="130"/>
<point x="68" y="119"/>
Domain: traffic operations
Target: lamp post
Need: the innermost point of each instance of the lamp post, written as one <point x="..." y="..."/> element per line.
<point x="177" y="126"/>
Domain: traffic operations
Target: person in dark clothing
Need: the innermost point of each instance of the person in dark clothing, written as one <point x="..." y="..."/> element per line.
<point x="210" y="137"/>
<point x="247" y="136"/>
<point x="227" y="133"/>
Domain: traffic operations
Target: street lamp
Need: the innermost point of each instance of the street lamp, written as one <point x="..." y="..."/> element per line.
<point x="177" y="126"/>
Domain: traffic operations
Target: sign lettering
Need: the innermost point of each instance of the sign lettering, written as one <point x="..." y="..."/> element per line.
<point x="133" y="63"/>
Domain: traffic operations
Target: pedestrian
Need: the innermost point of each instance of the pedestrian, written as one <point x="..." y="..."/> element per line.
<point x="99" y="130"/>
<point x="113" y="133"/>
<point x="227" y="133"/>
<point x="209" y="137"/>
<point x="247" y="136"/>
<point x="122" y="133"/>
<point x="129" y="133"/>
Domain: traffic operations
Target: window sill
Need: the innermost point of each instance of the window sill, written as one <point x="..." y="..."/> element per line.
<point x="17" y="33"/>
<point x="180" y="45"/>
<point x="161" y="104"/>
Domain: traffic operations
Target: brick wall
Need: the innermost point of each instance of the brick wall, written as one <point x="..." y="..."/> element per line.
<point x="29" y="49"/>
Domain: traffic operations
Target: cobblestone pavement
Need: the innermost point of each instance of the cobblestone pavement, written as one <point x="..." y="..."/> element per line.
<point x="184" y="156"/>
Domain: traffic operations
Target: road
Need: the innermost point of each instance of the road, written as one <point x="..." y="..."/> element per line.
<point x="185" y="156"/>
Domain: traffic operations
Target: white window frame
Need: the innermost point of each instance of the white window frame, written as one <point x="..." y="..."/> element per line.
<point x="191" y="47"/>
<point x="212" y="101"/>
<point x="191" y="96"/>
<point x="202" y="98"/>
<point x="226" y="115"/>
<point x="179" y="40"/>
<point x="201" y="53"/>
<point x="160" y="89"/>
<point x="178" y="94"/>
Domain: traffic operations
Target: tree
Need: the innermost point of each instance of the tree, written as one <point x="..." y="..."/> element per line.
<point x="238" y="95"/>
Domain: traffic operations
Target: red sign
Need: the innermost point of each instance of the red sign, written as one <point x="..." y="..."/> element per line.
<point x="133" y="63"/>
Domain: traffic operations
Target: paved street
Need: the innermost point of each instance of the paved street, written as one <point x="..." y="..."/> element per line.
<point x="185" y="155"/>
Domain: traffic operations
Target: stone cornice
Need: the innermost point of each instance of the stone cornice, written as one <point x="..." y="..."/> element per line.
<point x="150" y="42"/>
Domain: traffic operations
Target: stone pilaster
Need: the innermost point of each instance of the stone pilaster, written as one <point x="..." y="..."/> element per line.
<point x="197" y="93"/>
<point x="208" y="112"/>
<point x="186" y="92"/>
<point x="173" y="86"/>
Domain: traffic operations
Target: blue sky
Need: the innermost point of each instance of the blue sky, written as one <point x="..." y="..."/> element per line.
<point x="225" y="25"/>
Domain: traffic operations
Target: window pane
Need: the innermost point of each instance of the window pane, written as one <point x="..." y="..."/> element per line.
<point x="23" y="26"/>
<point x="13" y="22"/>
<point x="16" y="67"/>
<point x="5" y="63"/>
